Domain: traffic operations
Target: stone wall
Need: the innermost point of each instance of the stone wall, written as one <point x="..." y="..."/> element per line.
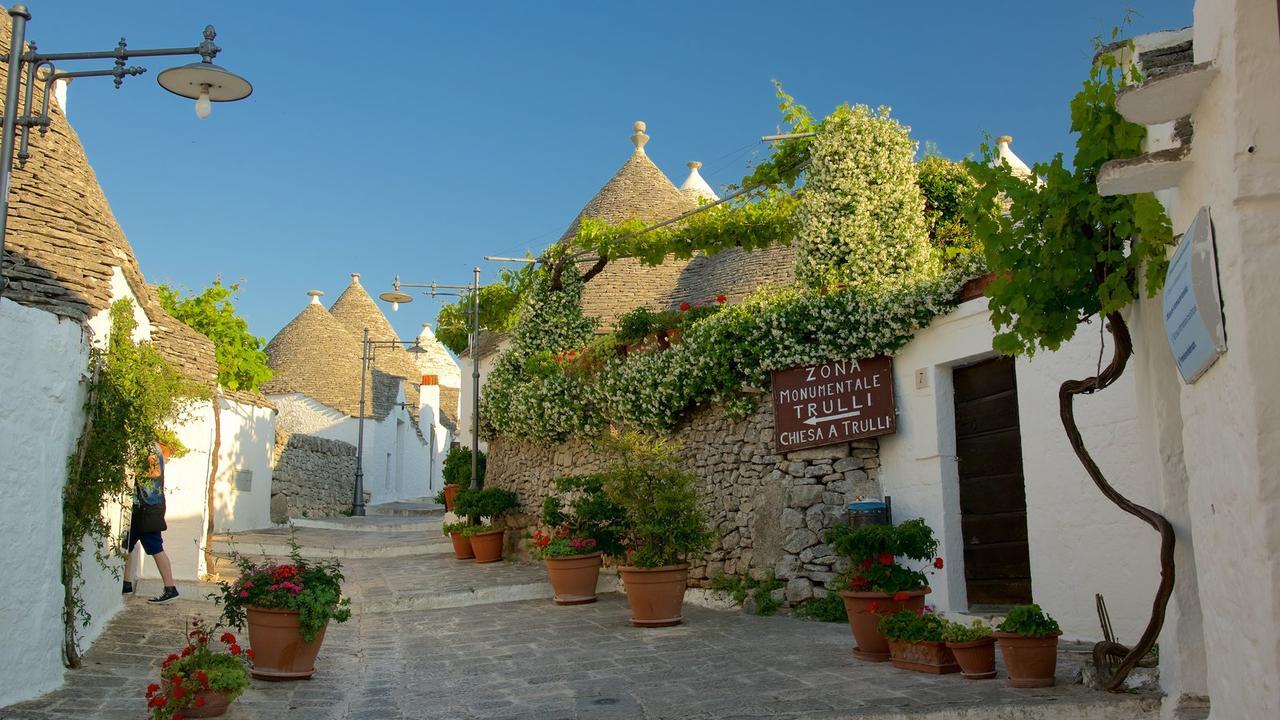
<point x="768" y="510"/>
<point x="312" y="477"/>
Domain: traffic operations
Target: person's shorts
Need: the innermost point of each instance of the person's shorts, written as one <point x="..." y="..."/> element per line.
<point x="152" y="542"/>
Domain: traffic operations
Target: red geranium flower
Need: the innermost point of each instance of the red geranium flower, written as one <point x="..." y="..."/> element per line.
<point x="873" y="607"/>
<point x="235" y="649"/>
<point x="937" y="562"/>
<point x="919" y="612"/>
<point x="178" y="692"/>
<point x="202" y="678"/>
<point x="867" y="564"/>
<point x="886" y="558"/>
<point x="722" y="299"/>
<point x="227" y="638"/>
<point x="249" y="653"/>
<point x="199" y="702"/>
<point x="188" y="650"/>
<point x="152" y="689"/>
<point x="684" y="307"/>
<point x="901" y="595"/>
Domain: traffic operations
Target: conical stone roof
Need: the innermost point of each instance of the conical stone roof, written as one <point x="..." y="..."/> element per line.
<point x="315" y="355"/>
<point x="431" y="358"/>
<point x="357" y="311"/>
<point x="695" y="187"/>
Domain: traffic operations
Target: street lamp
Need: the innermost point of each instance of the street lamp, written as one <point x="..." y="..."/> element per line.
<point x="367" y="348"/>
<point x="398" y="298"/>
<point x="201" y="81"/>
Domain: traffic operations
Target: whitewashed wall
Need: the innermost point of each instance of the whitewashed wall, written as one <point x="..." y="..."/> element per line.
<point x="248" y="439"/>
<point x="40" y="419"/>
<point x="1079" y="543"/>
<point x="466" y="401"/>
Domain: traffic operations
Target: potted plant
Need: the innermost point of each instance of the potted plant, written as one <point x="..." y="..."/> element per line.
<point x="483" y="508"/>
<point x="1028" y="640"/>
<point x="879" y="585"/>
<point x="974" y="648"/>
<point x="456" y="470"/>
<point x="200" y="682"/>
<point x="455" y="531"/>
<point x="915" y="641"/>
<point x="287" y="607"/>
<point x="665" y="524"/>
<point x="587" y="525"/>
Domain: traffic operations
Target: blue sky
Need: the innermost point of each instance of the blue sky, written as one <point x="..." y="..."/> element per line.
<point x="415" y="137"/>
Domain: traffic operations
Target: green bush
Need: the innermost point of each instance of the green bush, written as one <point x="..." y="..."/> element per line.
<point x="912" y="626"/>
<point x="955" y="632"/>
<point x="1029" y="621"/>
<point x="874" y="549"/>
<point x="665" y="520"/>
<point x="635" y="325"/>
<point x="741" y="586"/>
<point x="581" y="506"/>
<point x="490" y="503"/>
<point x="457" y="466"/>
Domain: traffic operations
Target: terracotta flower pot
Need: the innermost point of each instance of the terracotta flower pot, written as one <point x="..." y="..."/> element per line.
<point x="924" y="656"/>
<point x="869" y="644"/>
<point x="488" y="546"/>
<point x="977" y="658"/>
<point x="461" y="546"/>
<point x="656" y="595"/>
<point x="215" y="704"/>
<point x="1031" y="661"/>
<point x="574" y="578"/>
<point x="279" y="652"/>
<point x="450" y="495"/>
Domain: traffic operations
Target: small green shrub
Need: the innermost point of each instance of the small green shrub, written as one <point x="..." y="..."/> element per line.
<point x="743" y="586"/>
<point x="635" y="325"/>
<point x="582" y="509"/>
<point x="1029" y="621"/>
<point x="828" y="608"/>
<point x="457" y="466"/>
<point x="874" y="549"/>
<point x="912" y="626"/>
<point x="490" y="503"/>
<point x="955" y="632"/>
<point x="454" y="527"/>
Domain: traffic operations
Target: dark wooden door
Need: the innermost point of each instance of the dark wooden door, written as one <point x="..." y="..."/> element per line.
<point x="993" y="501"/>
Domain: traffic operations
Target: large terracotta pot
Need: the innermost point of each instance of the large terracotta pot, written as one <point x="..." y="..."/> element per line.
<point x="869" y="644"/>
<point x="278" y="650"/>
<point x="655" y="595"/>
<point x="450" y="495"/>
<point x="215" y="704"/>
<point x="977" y="658"/>
<point x="461" y="546"/>
<point x="488" y="546"/>
<point x="924" y="656"/>
<point x="574" y="578"/>
<point x="1030" y="661"/>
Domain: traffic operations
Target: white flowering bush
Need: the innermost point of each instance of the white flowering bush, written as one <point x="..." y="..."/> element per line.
<point x="861" y="217"/>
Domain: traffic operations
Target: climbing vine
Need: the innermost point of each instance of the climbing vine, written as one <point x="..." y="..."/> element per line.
<point x="134" y="399"/>
<point x="499" y="309"/>
<point x="1064" y="254"/>
<point x="242" y="362"/>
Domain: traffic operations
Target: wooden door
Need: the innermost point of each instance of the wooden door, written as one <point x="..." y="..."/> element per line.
<point x="993" y="502"/>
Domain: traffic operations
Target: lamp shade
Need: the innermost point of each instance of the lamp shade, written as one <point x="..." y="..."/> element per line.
<point x="395" y="296"/>
<point x="188" y="81"/>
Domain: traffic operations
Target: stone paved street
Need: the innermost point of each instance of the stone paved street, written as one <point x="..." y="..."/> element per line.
<point x="481" y="655"/>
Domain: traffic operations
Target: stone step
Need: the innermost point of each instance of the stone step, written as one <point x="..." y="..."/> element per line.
<point x="487" y="595"/>
<point x="424" y="506"/>
<point x="374" y="523"/>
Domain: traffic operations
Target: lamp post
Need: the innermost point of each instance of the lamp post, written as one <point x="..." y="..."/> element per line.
<point x="367" y="348"/>
<point x="201" y="81"/>
<point x="434" y="289"/>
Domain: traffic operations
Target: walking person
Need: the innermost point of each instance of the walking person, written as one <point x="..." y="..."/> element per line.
<point x="146" y="525"/>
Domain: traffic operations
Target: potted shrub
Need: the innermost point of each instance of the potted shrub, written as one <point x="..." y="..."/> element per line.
<point x="915" y="641"/>
<point x="455" y="531"/>
<point x="879" y="585"/>
<point x="479" y="506"/>
<point x="974" y="648"/>
<point x="583" y="525"/>
<point x="1028" y="640"/>
<point x="200" y="682"/>
<point x="456" y="470"/>
<point x="665" y="524"/>
<point x="287" y="607"/>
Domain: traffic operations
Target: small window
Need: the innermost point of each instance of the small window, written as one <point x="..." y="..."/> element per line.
<point x="244" y="480"/>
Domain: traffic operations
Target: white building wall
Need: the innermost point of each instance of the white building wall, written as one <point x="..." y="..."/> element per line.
<point x="40" y="420"/>
<point x="1079" y="543"/>
<point x="466" y="401"/>
<point x="248" y="439"/>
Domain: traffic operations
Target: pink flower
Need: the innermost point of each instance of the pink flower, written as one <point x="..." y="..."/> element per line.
<point x="244" y="593"/>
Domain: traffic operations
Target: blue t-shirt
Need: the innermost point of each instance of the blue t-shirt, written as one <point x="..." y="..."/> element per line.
<point x="151" y="490"/>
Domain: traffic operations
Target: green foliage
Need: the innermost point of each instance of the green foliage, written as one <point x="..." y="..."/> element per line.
<point x="313" y="588"/>
<point x="457" y="467"/>
<point x="499" y="308"/>
<point x="635" y="325"/>
<point x="198" y="668"/>
<point x="450" y="528"/>
<point x="741" y="586"/>
<point x="582" y="508"/>
<point x="828" y="608"/>
<point x="1064" y="253"/>
<point x="912" y="626"/>
<point x="790" y="156"/>
<point x="958" y="633"/>
<point x="135" y="399"/>
<point x="490" y="503"/>
<point x="665" y="520"/>
<point x="949" y="190"/>
<point x="1029" y="621"/>
<point x="242" y="363"/>
<point x="874" y="549"/>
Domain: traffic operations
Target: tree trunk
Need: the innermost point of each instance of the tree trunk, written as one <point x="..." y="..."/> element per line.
<point x="1104" y="651"/>
<point x="213" y="479"/>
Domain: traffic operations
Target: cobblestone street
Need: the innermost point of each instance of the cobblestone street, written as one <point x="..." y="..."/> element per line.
<point x="434" y="637"/>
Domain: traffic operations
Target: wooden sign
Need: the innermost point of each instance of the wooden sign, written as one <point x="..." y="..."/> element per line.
<point x="833" y="402"/>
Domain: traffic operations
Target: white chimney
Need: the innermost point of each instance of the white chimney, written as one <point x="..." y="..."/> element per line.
<point x="315" y="296"/>
<point x="60" y="92"/>
<point x="695" y="187"/>
<point x="1006" y="155"/>
<point x="429" y="401"/>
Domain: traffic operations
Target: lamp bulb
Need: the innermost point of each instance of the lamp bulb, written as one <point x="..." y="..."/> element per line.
<point x="395" y="306"/>
<point x="203" y="106"/>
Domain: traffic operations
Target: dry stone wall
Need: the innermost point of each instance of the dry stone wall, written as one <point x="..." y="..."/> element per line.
<point x="312" y="477"/>
<point x="768" y="510"/>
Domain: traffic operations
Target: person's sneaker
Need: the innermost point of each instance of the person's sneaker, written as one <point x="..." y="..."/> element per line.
<point x="128" y="588"/>
<point x="169" y="594"/>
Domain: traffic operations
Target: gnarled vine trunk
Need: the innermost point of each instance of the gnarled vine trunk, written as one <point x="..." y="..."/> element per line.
<point x="1104" y="651"/>
<point x="211" y="499"/>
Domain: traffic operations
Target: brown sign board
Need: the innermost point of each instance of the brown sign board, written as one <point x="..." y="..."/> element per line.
<point x="834" y="402"/>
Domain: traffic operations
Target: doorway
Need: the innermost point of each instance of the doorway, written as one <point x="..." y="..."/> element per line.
<point x="993" y="500"/>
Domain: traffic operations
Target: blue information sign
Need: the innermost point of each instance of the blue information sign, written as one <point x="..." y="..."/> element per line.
<point x="1192" y="303"/>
